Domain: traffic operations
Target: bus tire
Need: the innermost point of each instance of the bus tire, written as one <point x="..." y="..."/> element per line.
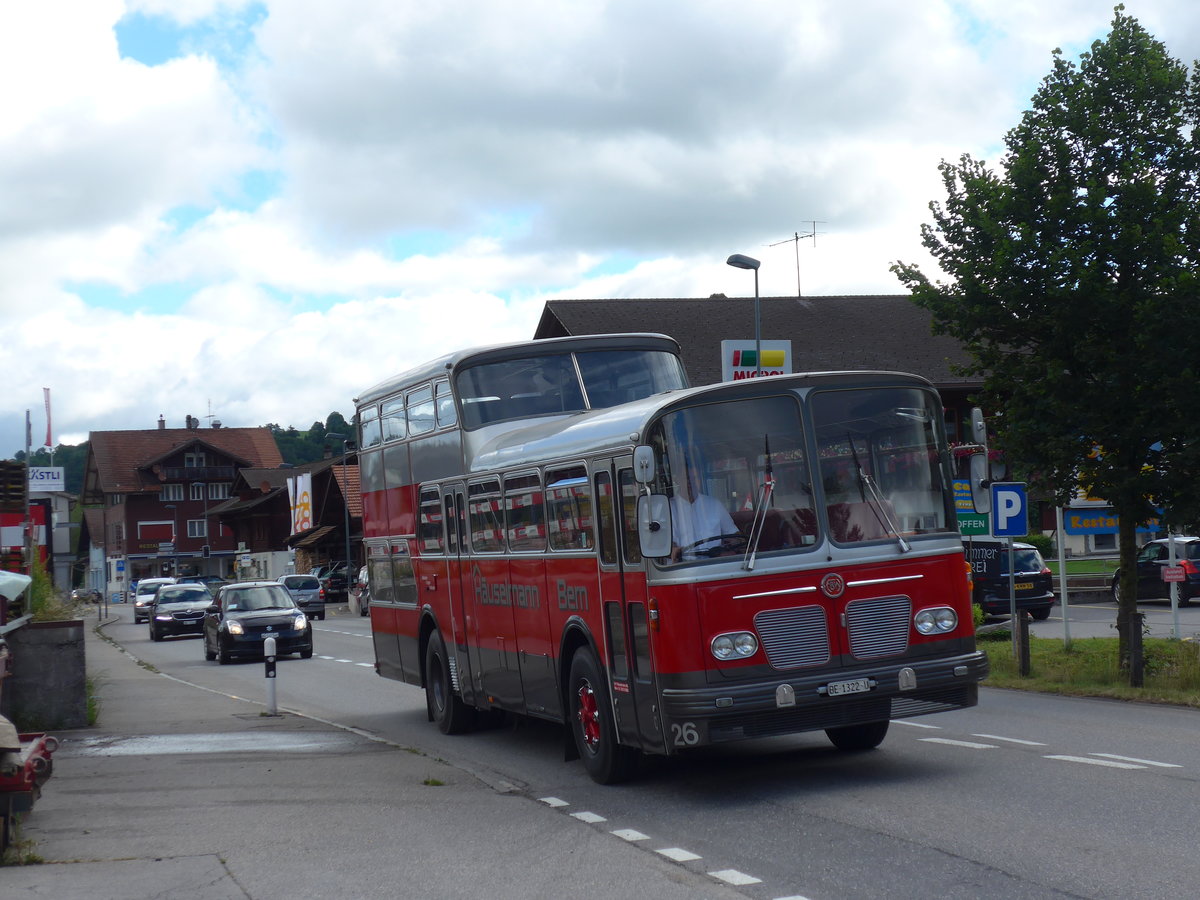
<point x="858" y="737"/>
<point x="591" y="723"/>
<point x="445" y="707"/>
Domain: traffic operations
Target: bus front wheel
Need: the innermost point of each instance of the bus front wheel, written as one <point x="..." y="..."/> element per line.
<point x="592" y="723"/>
<point x="858" y="737"/>
<point x="446" y="709"/>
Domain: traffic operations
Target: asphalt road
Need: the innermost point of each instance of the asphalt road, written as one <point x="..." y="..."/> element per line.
<point x="1026" y="795"/>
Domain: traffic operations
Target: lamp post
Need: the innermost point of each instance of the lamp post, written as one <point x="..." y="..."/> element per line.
<point x="738" y="261"/>
<point x="174" y="545"/>
<point x="336" y="436"/>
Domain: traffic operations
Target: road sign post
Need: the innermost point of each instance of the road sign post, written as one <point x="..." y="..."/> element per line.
<point x="1010" y="518"/>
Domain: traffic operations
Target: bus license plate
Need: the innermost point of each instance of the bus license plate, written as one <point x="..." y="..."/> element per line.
<point x="856" y="686"/>
<point x="1023" y="586"/>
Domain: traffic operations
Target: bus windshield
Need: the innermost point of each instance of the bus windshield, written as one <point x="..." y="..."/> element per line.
<point x="550" y="384"/>
<point x="743" y="478"/>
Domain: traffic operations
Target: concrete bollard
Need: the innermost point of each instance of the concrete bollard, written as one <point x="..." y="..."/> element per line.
<point x="269" y="662"/>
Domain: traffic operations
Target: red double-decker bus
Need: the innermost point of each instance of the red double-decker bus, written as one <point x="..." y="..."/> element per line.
<point x="564" y="529"/>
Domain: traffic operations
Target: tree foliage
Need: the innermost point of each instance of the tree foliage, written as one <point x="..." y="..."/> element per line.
<point x="1072" y="280"/>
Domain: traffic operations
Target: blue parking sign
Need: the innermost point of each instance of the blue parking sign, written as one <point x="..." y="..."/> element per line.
<point x="1009" y="509"/>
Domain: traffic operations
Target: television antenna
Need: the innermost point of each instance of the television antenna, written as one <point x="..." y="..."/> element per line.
<point x="796" y="238"/>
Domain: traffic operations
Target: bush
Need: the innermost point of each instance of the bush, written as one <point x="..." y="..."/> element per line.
<point x="1043" y="542"/>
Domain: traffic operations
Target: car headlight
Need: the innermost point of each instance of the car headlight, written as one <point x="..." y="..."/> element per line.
<point x="163" y="617"/>
<point x="937" y="620"/>
<point x="233" y="626"/>
<point x="301" y="623"/>
<point x="737" y="645"/>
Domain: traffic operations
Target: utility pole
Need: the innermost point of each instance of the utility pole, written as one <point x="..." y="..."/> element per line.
<point x="796" y="238"/>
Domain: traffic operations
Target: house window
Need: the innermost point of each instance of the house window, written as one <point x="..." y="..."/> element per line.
<point x="197" y="491"/>
<point x="171" y="492"/>
<point x="116" y="499"/>
<point x="194" y="460"/>
<point x="219" y="490"/>
<point x="197" y="528"/>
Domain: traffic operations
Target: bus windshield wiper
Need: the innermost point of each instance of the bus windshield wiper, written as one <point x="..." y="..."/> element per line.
<point x="760" y="511"/>
<point x="877" y="502"/>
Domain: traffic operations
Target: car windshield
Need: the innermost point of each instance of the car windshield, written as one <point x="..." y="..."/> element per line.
<point x="1027" y="561"/>
<point x="256" y="598"/>
<point x="301" y="583"/>
<point x="180" y="595"/>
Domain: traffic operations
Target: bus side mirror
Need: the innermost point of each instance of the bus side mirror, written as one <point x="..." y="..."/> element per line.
<point x="643" y="464"/>
<point x="654" y="525"/>
<point x="981" y="496"/>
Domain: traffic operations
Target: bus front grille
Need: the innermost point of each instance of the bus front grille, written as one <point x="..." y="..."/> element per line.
<point x="794" y="638"/>
<point x="878" y="626"/>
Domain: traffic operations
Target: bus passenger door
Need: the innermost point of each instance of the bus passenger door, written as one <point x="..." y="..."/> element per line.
<point x="623" y="593"/>
<point x="462" y="641"/>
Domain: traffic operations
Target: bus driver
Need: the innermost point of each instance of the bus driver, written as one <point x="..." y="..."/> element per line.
<point x="698" y="521"/>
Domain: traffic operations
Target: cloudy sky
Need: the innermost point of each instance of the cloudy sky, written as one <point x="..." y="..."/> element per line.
<point x="255" y="209"/>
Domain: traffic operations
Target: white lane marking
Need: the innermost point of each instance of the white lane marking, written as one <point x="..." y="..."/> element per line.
<point x="917" y="724"/>
<point x="324" y="657"/>
<point x="733" y="876"/>
<point x="1144" y="762"/>
<point x="972" y="745"/>
<point x="554" y="801"/>
<point x="1096" y="762"/>
<point x="366" y="665"/>
<point x="678" y="854"/>
<point x="343" y="660"/>
<point x="628" y="834"/>
<point x="590" y="817"/>
<point x="997" y="737"/>
<point x="792" y="897"/>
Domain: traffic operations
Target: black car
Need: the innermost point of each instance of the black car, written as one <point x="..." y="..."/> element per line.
<point x="1033" y="583"/>
<point x="333" y="580"/>
<point x="1154" y="557"/>
<point x="178" y="609"/>
<point x="245" y="614"/>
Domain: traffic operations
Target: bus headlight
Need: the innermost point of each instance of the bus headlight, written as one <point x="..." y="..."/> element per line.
<point x="737" y="645"/>
<point x="938" y="620"/>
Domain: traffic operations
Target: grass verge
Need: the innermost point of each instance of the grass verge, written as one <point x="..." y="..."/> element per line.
<point x="1090" y="669"/>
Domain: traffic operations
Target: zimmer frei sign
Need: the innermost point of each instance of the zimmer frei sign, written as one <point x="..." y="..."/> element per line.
<point x="739" y="359"/>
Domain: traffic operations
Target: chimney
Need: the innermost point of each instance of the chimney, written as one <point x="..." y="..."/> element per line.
<point x="216" y="423"/>
<point x="162" y="423"/>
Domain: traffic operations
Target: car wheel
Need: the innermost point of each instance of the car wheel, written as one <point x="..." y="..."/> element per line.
<point x="306" y="654"/>
<point x="1116" y="591"/>
<point x="155" y="634"/>
<point x="858" y="737"/>
<point x="209" y="655"/>
<point x="1041" y="614"/>
<point x="321" y="615"/>
<point x="446" y="709"/>
<point x="222" y="654"/>
<point x="591" y="722"/>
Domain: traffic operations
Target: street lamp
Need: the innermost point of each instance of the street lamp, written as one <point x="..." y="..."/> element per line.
<point x="207" y="540"/>
<point x="738" y="261"/>
<point x="336" y="436"/>
<point x="174" y="539"/>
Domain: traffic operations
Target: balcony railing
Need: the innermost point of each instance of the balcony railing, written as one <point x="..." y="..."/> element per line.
<point x="198" y="473"/>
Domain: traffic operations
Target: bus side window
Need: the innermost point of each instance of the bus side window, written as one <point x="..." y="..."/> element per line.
<point x="451" y="525"/>
<point x="444" y="401"/>
<point x="369" y="434"/>
<point x="486" y="518"/>
<point x="569" y="509"/>
<point x="523" y="517"/>
<point x="420" y="410"/>
<point x="379" y="570"/>
<point x="430" y="528"/>
<point x="393" y="420"/>
<point x="618" y="661"/>
<point x="629" y="532"/>
<point x="606" y="519"/>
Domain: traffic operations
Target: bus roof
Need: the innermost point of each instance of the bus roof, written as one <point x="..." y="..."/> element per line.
<point x="602" y="430"/>
<point x="448" y="364"/>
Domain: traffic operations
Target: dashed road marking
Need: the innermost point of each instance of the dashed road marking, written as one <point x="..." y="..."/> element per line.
<point x="998" y="737"/>
<point x="629" y="834"/>
<point x="590" y="817"/>
<point x="678" y="854"/>
<point x="971" y="745"/>
<point x="733" y="876"/>
<point x="554" y="802"/>
<point x="1113" y="764"/>
<point x="1144" y="762"/>
<point x="917" y="724"/>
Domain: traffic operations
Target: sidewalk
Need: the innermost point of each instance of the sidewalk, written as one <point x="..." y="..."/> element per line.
<point x="179" y="792"/>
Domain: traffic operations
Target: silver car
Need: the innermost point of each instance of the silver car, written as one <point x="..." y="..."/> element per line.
<point x="306" y="590"/>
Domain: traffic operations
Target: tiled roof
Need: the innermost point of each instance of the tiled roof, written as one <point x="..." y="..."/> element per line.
<point x="350" y="488"/>
<point x="881" y="331"/>
<point x="118" y="455"/>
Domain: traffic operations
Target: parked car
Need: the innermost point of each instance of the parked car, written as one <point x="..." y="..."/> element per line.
<point x="246" y="613"/>
<point x="361" y="592"/>
<point x="306" y="590"/>
<point x="1033" y="582"/>
<point x="333" y="579"/>
<point x="144" y="596"/>
<point x="178" y="609"/>
<point x="1153" y="557"/>
<point x="84" y="595"/>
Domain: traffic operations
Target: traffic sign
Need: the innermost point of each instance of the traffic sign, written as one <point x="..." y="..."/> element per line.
<point x="1173" y="573"/>
<point x="1009" y="509"/>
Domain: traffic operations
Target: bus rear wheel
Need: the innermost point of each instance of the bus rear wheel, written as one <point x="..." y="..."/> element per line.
<point x="858" y="737"/>
<point x="591" y="723"/>
<point x="446" y="709"/>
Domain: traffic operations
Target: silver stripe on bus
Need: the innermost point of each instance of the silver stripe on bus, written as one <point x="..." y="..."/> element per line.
<point x="870" y="581"/>
<point x="799" y="590"/>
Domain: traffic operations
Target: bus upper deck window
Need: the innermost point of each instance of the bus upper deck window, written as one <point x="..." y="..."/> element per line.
<point x="444" y="401"/>
<point x="420" y="411"/>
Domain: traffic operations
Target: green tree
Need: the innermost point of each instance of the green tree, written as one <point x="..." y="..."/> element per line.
<point x="1072" y="280"/>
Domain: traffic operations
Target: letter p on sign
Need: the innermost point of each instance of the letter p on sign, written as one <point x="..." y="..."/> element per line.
<point x="1009" y="517"/>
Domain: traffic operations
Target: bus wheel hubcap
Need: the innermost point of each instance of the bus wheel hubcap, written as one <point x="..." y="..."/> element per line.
<point x="589" y="715"/>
